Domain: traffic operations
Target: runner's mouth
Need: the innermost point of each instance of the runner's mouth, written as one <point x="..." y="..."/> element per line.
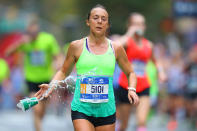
<point x="100" y="28"/>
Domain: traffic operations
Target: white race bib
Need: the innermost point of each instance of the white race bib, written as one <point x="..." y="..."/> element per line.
<point x="37" y="58"/>
<point x="94" y="89"/>
<point x="139" y="67"/>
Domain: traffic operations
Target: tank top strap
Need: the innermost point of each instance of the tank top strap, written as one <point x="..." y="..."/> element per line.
<point x="111" y="46"/>
<point x="85" y="45"/>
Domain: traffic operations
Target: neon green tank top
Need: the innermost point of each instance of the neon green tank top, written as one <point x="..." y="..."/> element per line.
<point x="99" y="68"/>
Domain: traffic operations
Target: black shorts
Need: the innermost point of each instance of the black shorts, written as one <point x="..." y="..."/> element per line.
<point x="96" y="121"/>
<point x="191" y="96"/>
<point x="121" y="94"/>
<point x="33" y="87"/>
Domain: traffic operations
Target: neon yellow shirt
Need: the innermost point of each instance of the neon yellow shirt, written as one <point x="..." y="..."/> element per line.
<point x="39" y="56"/>
<point x="4" y="70"/>
<point x="152" y="77"/>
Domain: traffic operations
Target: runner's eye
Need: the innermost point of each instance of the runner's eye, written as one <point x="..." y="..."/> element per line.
<point x="104" y="19"/>
<point x="95" y="17"/>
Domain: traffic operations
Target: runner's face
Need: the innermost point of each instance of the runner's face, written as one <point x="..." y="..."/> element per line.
<point x="98" y="21"/>
<point x="138" y="22"/>
<point x="33" y="30"/>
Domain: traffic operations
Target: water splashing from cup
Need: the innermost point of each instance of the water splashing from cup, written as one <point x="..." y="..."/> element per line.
<point x="68" y="83"/>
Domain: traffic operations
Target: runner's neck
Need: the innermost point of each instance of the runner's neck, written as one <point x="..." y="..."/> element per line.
<point x="97" y="40"/>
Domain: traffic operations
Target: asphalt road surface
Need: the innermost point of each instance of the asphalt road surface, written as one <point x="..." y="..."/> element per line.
<point x="16" y="120"/>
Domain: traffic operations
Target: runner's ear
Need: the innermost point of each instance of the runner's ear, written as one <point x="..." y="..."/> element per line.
<point x="87" y="23"/>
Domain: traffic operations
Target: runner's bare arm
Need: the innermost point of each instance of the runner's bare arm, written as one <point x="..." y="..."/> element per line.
<point x="15" y="47"/>
<point x="65" y="70"/>
<point x="123" y="39"/>
<point x="125" y="65"/>
<point x="68" y="64"/>
<point x="161" y="73"/>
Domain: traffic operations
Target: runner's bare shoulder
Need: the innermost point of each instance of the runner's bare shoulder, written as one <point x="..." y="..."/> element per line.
<point x="77" y="43"/>
<point x="76" y="47"/>
<point x="117" y="47"/>
<point x="150" y="43"/>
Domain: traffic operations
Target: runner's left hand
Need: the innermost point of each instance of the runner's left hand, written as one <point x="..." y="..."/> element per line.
<point x="133" y="97"/>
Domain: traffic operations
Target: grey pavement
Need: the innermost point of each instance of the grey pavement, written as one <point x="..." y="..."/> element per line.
<point x="16" y="120"/>
<point x="23" y="121"/>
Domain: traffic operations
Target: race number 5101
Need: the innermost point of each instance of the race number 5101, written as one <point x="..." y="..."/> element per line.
<point x="97" y="89"/>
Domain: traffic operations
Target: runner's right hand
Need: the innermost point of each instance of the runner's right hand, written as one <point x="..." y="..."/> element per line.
<point x="131" y="31"/>
<point x="43" y="89"/>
